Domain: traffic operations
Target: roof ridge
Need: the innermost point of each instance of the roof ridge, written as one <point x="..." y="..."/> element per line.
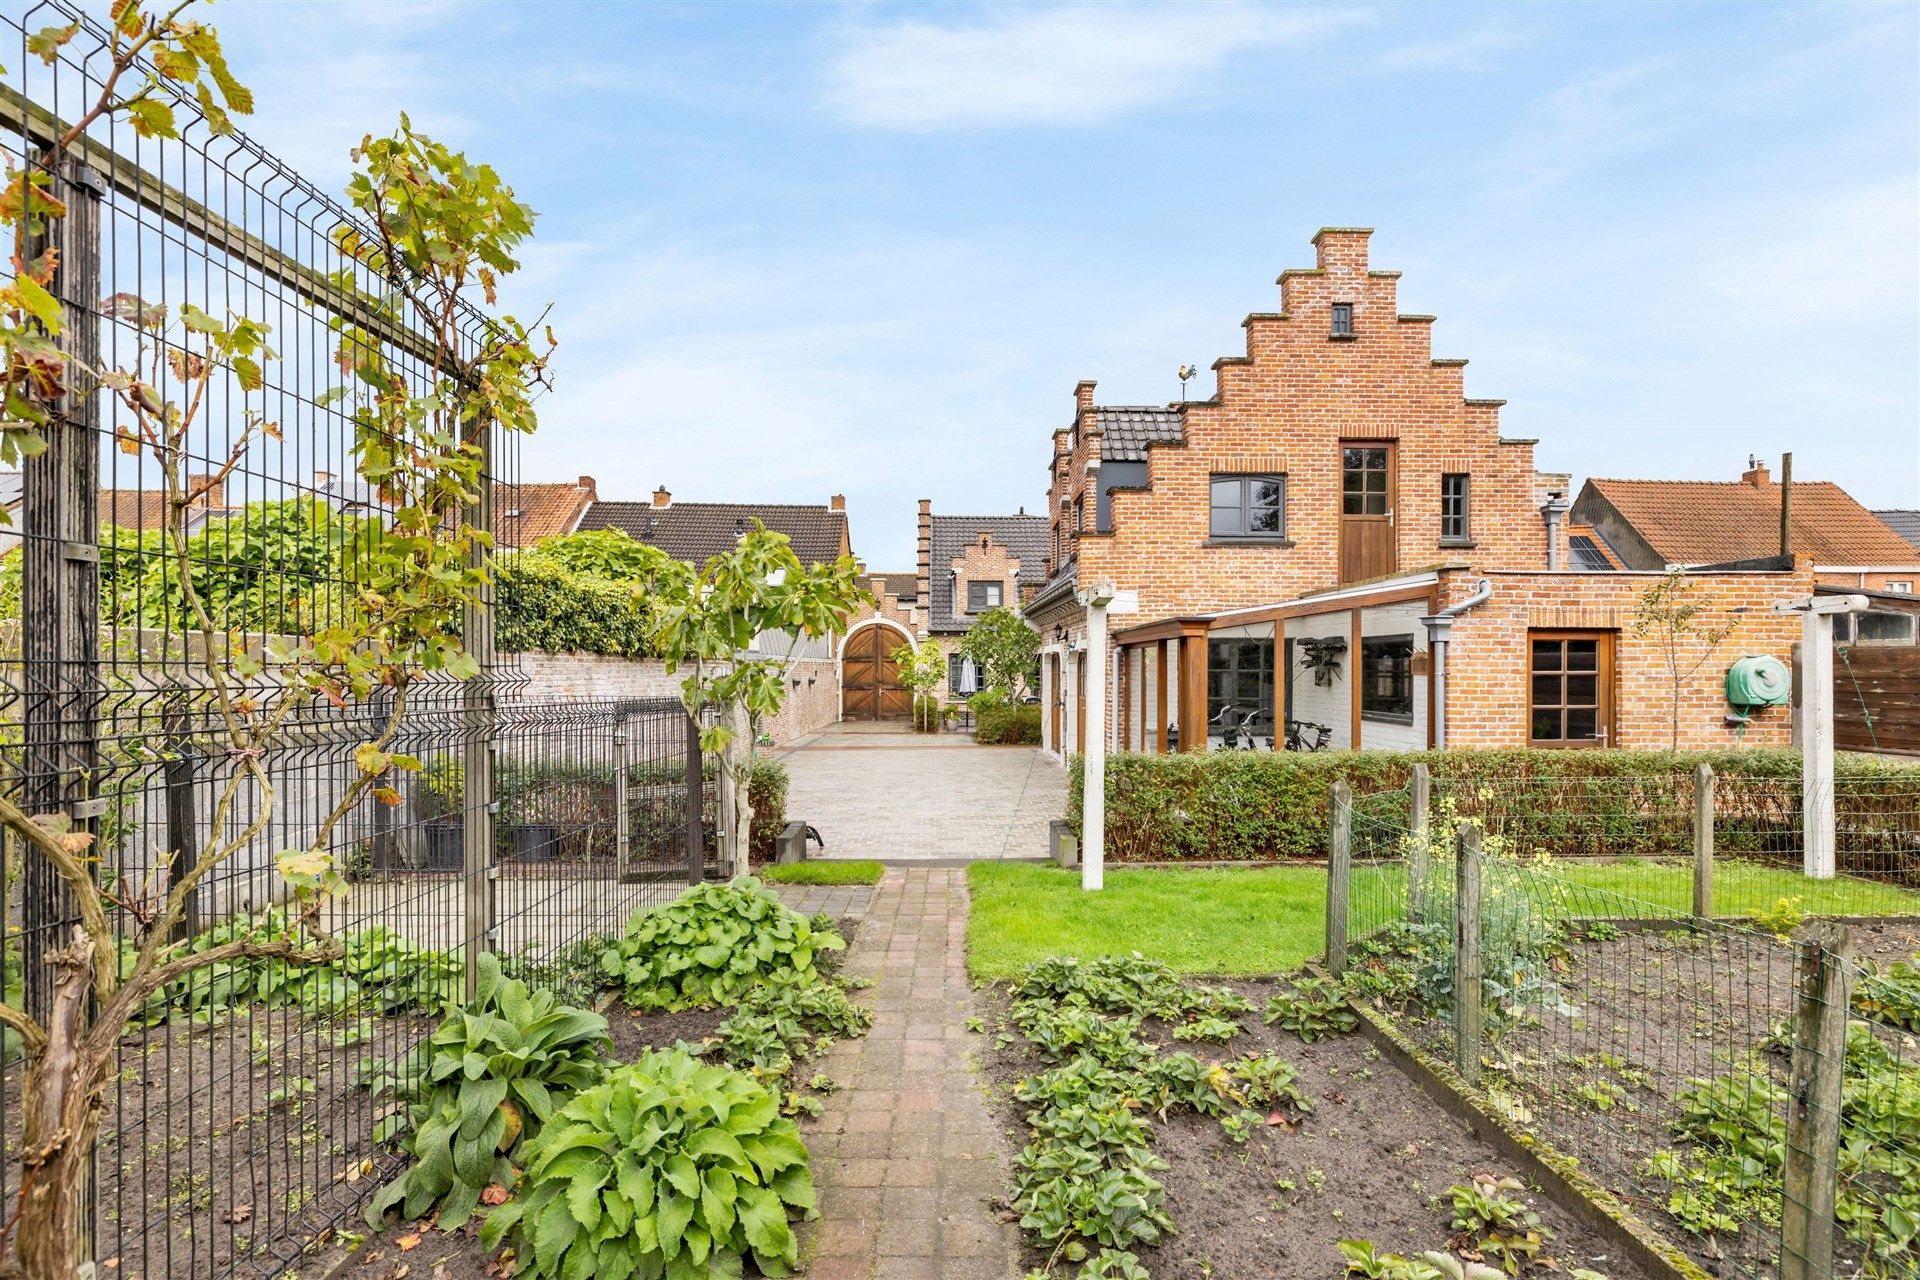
<point x="677" y="505"/>
<point x="1719" y="484"/>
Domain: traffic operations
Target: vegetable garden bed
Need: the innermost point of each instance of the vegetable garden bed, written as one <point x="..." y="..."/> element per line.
<point x="1267" y="1193"/>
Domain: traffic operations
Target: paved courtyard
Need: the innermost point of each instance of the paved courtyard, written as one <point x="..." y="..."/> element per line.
<point x="882" y="791"/>
<point x="909" y="1160"/>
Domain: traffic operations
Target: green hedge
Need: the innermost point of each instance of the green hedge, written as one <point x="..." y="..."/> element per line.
<point x="541" y="604"/>
<point x="1250" y="806"/>
<point x="1007" y="725"/>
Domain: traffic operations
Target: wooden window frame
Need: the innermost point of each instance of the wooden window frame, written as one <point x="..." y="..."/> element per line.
<point x="1377" y="643"/>
<point x="1604" y="656"/>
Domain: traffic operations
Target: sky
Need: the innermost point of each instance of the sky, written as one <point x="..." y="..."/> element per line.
<point x="797" y="250"/>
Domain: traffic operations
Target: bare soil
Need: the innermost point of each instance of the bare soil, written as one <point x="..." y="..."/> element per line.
<point x="1365" y="1164"/>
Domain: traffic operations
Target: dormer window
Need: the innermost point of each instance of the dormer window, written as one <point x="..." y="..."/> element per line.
<point x="1342" y="320"/>
<point x="982" y="596"/>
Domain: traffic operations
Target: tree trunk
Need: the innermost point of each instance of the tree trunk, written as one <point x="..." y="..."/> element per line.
<point x="62" y="1117"/>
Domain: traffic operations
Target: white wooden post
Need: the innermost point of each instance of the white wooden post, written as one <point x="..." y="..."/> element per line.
<point x="1100" y="600"/>
<point x="1816" y="725"/>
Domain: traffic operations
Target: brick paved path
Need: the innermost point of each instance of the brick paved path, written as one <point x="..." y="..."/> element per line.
<point x="902" y="795"/>
<point x="907" y="1156"/>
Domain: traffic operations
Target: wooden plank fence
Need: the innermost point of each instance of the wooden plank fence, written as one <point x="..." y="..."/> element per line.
<point x="1876" y="698"/>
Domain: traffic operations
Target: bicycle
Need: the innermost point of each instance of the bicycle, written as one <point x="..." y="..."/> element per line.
<point x="1305" y="735"/>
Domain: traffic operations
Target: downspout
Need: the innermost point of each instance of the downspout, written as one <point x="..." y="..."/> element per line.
<point x="1554" y="510"/>
<point x="1439" y="631"/>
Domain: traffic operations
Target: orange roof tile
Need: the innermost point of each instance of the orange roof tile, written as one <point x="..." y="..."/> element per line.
<point x="1711" y="522"/>
<point x="525" y="513"/>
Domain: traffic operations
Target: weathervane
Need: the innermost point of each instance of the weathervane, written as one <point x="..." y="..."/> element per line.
<point x="1186" y="371"/>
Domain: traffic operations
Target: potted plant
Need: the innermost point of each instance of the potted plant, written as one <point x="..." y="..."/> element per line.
<point x="444" y="781"/>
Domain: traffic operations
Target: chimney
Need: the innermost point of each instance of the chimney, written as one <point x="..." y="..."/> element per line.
<point x="923" y="585"/>
<point x="661" y="498"/>
<point x="1786" y="504"/>
<point x="206" y="493"/>
<point x="1341" y="248"/>
<point x="1756" y="473"/>
<point x="321" y="479"/>
<point x="838" y="502"/>
<point x="1083" y="395"/>
<point x="592" y="487"/>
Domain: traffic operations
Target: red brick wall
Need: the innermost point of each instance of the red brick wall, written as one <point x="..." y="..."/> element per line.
<point x="1487" y="666"/>
<point x="1286" y="406"/>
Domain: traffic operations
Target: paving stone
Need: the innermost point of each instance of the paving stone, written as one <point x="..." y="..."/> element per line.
<point x="908" y="1156"/>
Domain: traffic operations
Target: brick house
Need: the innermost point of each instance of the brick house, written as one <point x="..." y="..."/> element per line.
<point x="1655" y="524"/>
<point x="1340" y="538"/>
<point x="967" y="565"/>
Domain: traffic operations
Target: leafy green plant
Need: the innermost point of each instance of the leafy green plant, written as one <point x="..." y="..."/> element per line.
<point x="668" y="1166"/>
<point x="787" y="1017"/>
<point x="1207" y="1027"/>
<point x="712" y="946"/>
<point x="1783" y="917"/>
<point x="572" y="973"/>
<point x="1490" y="1218"/>
<point x="496" y="1069"/>
<point x="1006" y="649"/>
<point x="1314" y="1009"/>
<point x="1890" y="995"/>
<point x="1365" y="1259"/>
<point x="1449" y="1267"/>
<point x="1016" y="725"/>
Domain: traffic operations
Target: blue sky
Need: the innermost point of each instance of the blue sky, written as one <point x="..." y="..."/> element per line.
<point x="803" y="249"/>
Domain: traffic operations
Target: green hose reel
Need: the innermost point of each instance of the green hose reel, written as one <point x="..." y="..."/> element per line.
<point x="1759" y="682"/>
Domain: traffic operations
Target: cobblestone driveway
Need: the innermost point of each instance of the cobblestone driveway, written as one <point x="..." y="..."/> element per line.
<point x="882" y="792"/>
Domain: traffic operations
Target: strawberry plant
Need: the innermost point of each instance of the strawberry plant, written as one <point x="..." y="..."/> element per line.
<point x="1315" y="1009"/>
<point x="668" y="1166"/>
<point x="1890" y="995"/>
<point x="1207" y="1027"/>
<point x="785" y="1018"/>
<point x="1365" y="1259"/>
<point x="494" y="1071"/>
<point x="1489" y="1218"/>
<point x="713" y="945"/>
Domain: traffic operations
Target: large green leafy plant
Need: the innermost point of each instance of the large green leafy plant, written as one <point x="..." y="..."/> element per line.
<point x="496" y="1070"/>
<point x="713" y="945"/>
<point x="668" y="1167"/>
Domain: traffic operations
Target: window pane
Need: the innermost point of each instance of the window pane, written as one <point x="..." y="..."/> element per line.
<point x="1582" y="722"/>
<point x="1583" y="690"/>
<point x="1546" y="655"/>
<point x="1266" y="493"/>
<point x="1350" y="504"/>
<point x="1264" y="520"/>
<point x="1352" y="459"/>
<point x="1226" y="493"/>
<point x="1376" y="482"/>
<point x="1546" y="690"/>
<point x="1583" y="655"/>
<point x="1225" y="520"/>
<point x="1546" y="725"/>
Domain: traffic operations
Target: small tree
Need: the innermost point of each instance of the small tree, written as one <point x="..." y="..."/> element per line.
<point x="1672" y="611"/>
<point x="710" y="621"/>
<point x="1005" y="649"/>
<point x="440" y="224"/>
<point x="921" y="671"/>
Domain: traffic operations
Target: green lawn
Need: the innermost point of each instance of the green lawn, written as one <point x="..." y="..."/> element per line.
<point x="1229" y="922"/>
<point x="822" y="871"/>
<point x="1740" y="888"/>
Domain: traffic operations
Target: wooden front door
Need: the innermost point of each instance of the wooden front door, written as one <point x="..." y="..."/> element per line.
<point x="870" y="687"/>
<point x="1080" y="703"/>
<point x="1059" y="701"/>
<point x="1366" y="511"/>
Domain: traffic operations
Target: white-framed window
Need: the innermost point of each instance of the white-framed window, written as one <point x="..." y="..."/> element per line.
<point x="1901" y="587"/>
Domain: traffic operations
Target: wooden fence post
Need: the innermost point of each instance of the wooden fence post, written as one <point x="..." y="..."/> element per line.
<point x="622" y="838"/>
<point x="1811" y="1181"/>
<point x="696" y="806"/>
<point x="1469" y="1028"/>
<point x="1339" y="876"/>
<point x="1419" y="863"/>
<point x="1703" y="798"/>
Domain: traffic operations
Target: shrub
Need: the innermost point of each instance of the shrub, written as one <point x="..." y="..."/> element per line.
<point x="767" y="793"/>
<point x="494" y="1070"/>
<point x="1007" y="725"/>
<point x="542" y="603"/>
<point x="712" y="945"/>
<point x="1244" y="805"/>
<point x="667" y="1166"/>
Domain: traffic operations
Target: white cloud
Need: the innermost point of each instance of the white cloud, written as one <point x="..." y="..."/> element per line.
<point x="1073" y="65"/>
<point x="1476" y="50"/>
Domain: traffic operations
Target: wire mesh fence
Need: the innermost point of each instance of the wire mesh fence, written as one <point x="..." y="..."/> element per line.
<point x="1665" y="1051"/>
<point x="242" y="1123"/>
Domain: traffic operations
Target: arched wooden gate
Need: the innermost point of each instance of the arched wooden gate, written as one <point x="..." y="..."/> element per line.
<point x="870" y="687"/>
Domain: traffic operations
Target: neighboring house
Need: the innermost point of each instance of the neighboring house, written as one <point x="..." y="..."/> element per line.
<point x="523" y="513"/>
<point x="1657" y="524"/>
<point x="11" y="492"/>
<point x="696" y="531"/>
<point x="967" y="565"/>
<point x="1341" y="537"/>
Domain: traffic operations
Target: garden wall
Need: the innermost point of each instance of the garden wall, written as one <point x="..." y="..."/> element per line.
<point x="813" y="686"/>
<point x="1256" y="806"/>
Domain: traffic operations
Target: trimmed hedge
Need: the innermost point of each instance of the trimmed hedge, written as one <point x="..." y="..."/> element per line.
<point x="541" y="604"/>
<point x="1252" y="806"/>
<point x="1007" y="725"/>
